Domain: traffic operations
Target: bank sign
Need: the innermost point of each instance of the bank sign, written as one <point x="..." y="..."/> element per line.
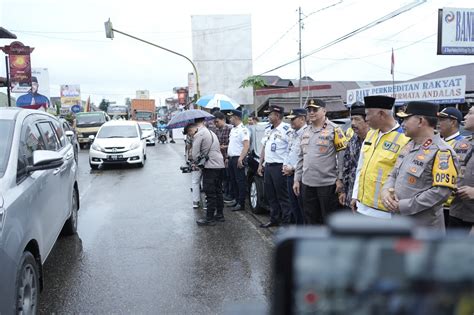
<point x="449" y="90"/>
<point x="456" y="31"/>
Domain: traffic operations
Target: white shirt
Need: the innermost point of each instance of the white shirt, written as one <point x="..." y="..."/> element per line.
<point x="294" y="148"/>
<point x="361" y="208"/>
<point x="276" y="143"/>
<point x="238" y="135"/>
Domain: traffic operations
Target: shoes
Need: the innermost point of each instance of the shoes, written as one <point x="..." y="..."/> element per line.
<point x="228" y="198"/>
<point x="269" y="224"/>
<point x="195" y="204"/>
<point x="205" y="222"/>
<point x="204" y="206"/>
<point x="238" y="207"/>
<point x="232" y="205"/>
<point x="219" y="218"/>
<point x="229" y="201"/>
<point x="172" y="141"/>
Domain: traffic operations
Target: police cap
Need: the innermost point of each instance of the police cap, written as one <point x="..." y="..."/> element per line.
<point x="275" y="108"/>
<point x="315" y="103"/>
<point x="234" y="112"/>
<point x="419" y="108"/>
<point x="298" y="112"/>
<point x="452" y="113"/>
<point x="379" y="101"/>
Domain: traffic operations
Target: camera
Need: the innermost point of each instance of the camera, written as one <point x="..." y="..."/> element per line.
<point x="186" y="168"/>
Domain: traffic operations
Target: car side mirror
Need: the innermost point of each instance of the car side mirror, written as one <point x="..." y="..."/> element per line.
<point x="45" y="160"/>
<point x="91" y="138"/>
<point x="69" y="134"/>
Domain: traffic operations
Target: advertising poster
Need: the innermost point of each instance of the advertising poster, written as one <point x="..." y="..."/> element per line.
<point x="38" y="96"/>
<point x="70" y="97"/>
<point x="456" y="31"/>
<point x="20" y="66"/>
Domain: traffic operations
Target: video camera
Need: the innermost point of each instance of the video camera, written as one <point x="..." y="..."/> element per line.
<point x="188" y="168"/>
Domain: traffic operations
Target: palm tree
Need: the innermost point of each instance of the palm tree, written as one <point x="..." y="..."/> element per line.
<point x="256" y="82"/>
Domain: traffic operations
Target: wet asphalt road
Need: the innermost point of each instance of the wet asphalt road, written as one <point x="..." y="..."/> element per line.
<point x="139" y="250"/>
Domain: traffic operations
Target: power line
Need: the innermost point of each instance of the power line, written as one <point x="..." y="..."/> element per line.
<point x="389" y="16"/>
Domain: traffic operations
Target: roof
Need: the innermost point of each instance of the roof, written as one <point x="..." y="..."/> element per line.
<point x="4" y="33"/>
<point x="270" y="79"/>
<point x="333" y="104"/>
<point x="464" y="69"/>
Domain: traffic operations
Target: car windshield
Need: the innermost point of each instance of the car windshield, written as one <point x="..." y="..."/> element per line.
<point x="118" y="132"/>
<point x="90" y="119"/>
<point x="6" y="130"/>
<point x="145" y="126"/>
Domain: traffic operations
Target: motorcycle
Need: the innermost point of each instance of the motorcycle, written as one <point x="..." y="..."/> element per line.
<point x="161" y="134"/>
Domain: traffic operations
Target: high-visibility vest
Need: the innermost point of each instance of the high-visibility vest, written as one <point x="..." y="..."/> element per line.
<point x="452" y="142"/>
<point x="378" y="161"/>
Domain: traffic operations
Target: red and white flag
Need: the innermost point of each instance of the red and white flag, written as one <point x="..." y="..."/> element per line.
<point x="392" y="67"/>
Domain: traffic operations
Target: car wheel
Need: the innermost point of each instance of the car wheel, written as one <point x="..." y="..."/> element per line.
<point x="93" y="166"/>
<point x="82" y="146"/>
<point x="27" y="285"/>
<point x="256" y="196"/>
<point x="70" y="227"/>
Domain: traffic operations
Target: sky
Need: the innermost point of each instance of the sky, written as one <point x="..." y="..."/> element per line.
<point x="69" y="40"/>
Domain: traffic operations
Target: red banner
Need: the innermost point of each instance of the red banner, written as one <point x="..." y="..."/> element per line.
<point x="20" y="67"/>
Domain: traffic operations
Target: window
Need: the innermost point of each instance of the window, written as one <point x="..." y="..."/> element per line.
<point x="6" y="130"/>
<point x="59" y="132"/>
<point x="30" y="141"/>
<point x="49" y="136"/>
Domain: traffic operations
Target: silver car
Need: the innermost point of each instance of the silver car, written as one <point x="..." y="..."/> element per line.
<point x="39" y="198"/>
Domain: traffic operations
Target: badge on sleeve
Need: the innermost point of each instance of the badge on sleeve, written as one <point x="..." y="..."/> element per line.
<point x="444" y="171"/>
<point x="340" y="141"/>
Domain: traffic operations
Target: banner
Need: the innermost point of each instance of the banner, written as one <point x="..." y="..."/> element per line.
<point x="70" y="97"/>
<point x="20" y="66"/>
<point x="38" y="96"/>
<point x="449" y="90"/>
<point x="456" y="31"/>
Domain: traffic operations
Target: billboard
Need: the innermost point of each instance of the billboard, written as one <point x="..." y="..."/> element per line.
<point x="70" y="97"/>
<point x="143" y="94"/>
<point x="449" y="90"/>
<point x="455" y="31"/>
<point x="38" y="96"/>
<point x="20" y="66"/>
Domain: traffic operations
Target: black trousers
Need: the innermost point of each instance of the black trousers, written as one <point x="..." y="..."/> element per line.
<point x="462" y="226"/>
<point x="238" y="181"/>
<point x="296" y="202"/>
<point x="276" y="191"/>
<point x="318" y="203"/>
<point x="212" y="186"/>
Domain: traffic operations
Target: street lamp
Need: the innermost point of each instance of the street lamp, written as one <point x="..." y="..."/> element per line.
<point x="109" y="33"/>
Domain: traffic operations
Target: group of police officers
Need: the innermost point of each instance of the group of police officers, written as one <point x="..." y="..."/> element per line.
<point x="409" y="169"/>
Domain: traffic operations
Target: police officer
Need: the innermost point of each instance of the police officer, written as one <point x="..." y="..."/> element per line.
<point x="425" y="172"/>
<point x="236" y="153"/>
<point x="320" y="164"/>
<point x="298" y="125"/>
<point x="461" y="212"/>
<point x="378" y="155"/>
<point x="449" y="120"/>
<point x="274" y="152"/>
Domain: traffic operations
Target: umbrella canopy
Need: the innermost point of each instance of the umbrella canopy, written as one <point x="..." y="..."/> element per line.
<point x="183" y="118"/>
<point x="217" y="100"/>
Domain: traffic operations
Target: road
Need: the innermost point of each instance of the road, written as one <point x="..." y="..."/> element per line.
<point x="139" y="250"/>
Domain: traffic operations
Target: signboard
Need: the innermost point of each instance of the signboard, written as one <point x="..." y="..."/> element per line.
<point x="70" y="95"/>
<point x="20" y="67"/>
<point x="143" y="94"/>
<point x="38" y="96"/>
<point x="456" y="31"/>
<point x="191" y="84"/>
<point x="449" y="90"/>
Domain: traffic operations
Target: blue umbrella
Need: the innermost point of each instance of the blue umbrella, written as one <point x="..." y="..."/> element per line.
<point x="183" y="118"/>
<point x="217" y="100"/>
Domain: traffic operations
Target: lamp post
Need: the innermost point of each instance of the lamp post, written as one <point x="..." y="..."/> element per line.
<point x="109" y="33"/>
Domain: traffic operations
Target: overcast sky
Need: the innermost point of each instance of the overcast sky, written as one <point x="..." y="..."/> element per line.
<point x="69" y="40"/>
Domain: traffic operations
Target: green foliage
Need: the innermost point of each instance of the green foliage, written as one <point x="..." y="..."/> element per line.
<point x="254" y="81"/>
<point x="104" y="104"/>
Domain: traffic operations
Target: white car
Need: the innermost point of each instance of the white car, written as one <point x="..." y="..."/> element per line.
<point x="118" y="142"/>
<point x="148" y="132"/>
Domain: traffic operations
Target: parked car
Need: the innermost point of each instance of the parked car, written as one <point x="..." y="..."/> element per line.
<point x="39" y="198"/>
<point x="118" y="142"/>
<point x="71" y="133"/>
<point x="148" y="132"/>
<point x="88" y="124"/>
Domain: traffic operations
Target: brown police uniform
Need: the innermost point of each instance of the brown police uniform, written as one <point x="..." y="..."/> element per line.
<point x="464" y="209"/>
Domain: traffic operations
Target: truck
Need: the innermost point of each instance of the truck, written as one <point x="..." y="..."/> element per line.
<point x="118" y="111"/>
<point x="143" y="110"/>
<point x="88" y="124"/>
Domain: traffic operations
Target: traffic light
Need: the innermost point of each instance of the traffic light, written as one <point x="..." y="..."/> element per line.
<point x="109" y="31"/>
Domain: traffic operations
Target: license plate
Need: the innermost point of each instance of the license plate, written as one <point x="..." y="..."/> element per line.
<point x="115" y="157"/>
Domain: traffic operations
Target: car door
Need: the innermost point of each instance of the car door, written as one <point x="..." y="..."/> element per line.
<point x="58" y="200"/>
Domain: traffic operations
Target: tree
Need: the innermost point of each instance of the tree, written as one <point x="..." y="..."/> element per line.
<point x="256" y="82"/>
<point x="104" y="104"/>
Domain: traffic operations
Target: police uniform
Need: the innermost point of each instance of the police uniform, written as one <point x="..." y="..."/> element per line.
<point x="424" y="174"/>
<point x="320" y="164"/>
<point x="238" y="135"/>
<point x="377" y="157"/>
<point x="291" y="161"/>
<point x="275" y="144"/>
<point x="461" y="212"/>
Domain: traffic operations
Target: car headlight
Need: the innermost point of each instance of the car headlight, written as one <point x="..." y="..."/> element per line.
<point x="135" y="145"/>
<point x="96" y="147"/>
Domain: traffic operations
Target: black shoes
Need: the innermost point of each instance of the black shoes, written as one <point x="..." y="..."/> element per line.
<point x="219" y="218"/>
<point x="205" y="222"/>
<point x="172" y="141"/>
<point x="269" y="224"/>
<point x="238" y="207"/>
<point x="229" y="201"/>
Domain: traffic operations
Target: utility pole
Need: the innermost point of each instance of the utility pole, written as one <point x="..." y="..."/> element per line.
<point x="299" y="54"/>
